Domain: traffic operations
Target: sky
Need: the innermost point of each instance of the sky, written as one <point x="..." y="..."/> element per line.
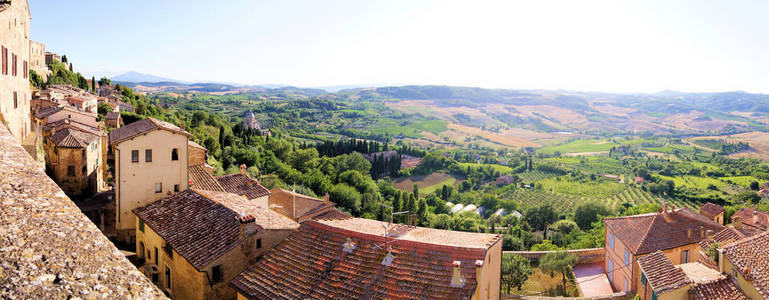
<point x="608" y="46"/>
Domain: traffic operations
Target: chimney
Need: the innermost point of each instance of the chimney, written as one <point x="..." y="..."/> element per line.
<point x="456" y="279"/>
<point x="709" y="235"/>
<point x="388" y="259"/>
<point x="664" y="207"/>
<point x="326" y="198"/>
<point x="702" y="232"/>
<point x="737" y="222"/>
<point x="478" y="271"/>
<point x="243" y="169"/>
<point x="349" y="245"/>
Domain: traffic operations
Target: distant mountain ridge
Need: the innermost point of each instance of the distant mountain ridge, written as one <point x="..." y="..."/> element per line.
<point x="141" y="77"/>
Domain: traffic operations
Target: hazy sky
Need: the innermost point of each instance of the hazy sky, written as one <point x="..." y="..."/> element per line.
<point x="623" y="46"/>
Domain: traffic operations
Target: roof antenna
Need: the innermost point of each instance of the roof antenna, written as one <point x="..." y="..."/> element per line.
<point x="389" y="224"/>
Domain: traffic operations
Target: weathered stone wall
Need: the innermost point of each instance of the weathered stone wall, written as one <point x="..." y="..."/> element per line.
<point x="48" y="248"/>
<point x="37" y="59"/>
<point x="14" y="35"/>
<point x="197" y="156"/>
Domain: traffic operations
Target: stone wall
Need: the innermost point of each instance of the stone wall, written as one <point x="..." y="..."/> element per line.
<point x="48" y="248"/>
<point x="37" y="59"/>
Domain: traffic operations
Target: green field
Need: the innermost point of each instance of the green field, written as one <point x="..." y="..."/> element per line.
<point x="427" y="183"/>
<point x="580" y="146"/>
<point x="710" y="143"/>
<point x="583" y="188"/>
<point x="535" y="175"/>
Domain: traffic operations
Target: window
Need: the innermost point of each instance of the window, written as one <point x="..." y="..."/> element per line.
<point x="85" y="170"/>
<point x="611" y="241"/>
<point x="627" y="258"/>
<point x="217" y="274"/>
<point x="176" y="188"/>
<point x="258" y="243"/>
<point x="168" y="250"/>
<point x="141" y="225"/>
<point x="168" y="278"/>
<point x="611" y="270"/>
<point x="15" y="100"/>
<point x="643" y="279"/>
<point x="70" y="171"/>
<point x="135" y="156"/>
<point x="13" y="65"/>
<point x="685" y="256"/>
<point x="5" y="60"/>
<point x="175" y="154"/>
<point x="26" y="69"/>
<point x="654" y="296"/>
<point x="156" y="255"/>
<point x="158" y="188"/>
<point x="148" y="155"/>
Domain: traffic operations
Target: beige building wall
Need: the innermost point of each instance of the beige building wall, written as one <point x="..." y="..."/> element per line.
<point x="745" y="285"/>
<point x="189" y="283"/>
<point x="490" y="274"/>
<point x="15" y="93"/>
<point x="135" y="181"/>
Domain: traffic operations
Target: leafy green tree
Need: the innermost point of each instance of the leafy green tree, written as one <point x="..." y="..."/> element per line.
<point x="104" y="81"/>
<point x="588" y="212"/>
<point x="545" y="245"/>
<point x="416" y="191"/>
<point x="565" y="226"/>
<point x="347" y="197"/>
<point x="93" y="83"/>
<point x="352" y="161"/>
<point x="512" y="243"/>
<point x="560" y="262"/>
<point x="540" y="216"/>
<point x="712" y="252"/>
<point x="516" y="270"/>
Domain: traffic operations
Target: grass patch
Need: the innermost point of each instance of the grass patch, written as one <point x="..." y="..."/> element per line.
<point x="580" y="146"/>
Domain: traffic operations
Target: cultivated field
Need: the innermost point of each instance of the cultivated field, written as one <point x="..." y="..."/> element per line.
<point x="427" y="183"/>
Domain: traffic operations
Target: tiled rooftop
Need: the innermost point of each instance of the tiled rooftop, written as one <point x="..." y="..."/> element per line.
<point x="48" y="248"/>
<point x="751" y="257"/>
<point x="661" y="274"/>
<point x="723" y="237"/>
<point x="756" y="221"/>
<point x="659" y="231"/>
<point x="710" y="209"/>
<point x="201" y="178"/>
<point x="282" y="201"/>
<point x="417" y="234"/>
<point x="722" y="289"/>
<point x="319" y="262"/>
<point x="71" y="138"/>
<point x="140" y="127"/>
<point x="241" y="184"/>
<point x="697" y="272"/>
<point x="203" y="225"/>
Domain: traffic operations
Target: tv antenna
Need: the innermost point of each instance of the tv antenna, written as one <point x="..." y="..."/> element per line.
<point x="389" y="224"/>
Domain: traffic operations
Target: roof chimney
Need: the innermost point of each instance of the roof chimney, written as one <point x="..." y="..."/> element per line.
<point x="456" y="279"/>
<point x="349" y="245"/>
<point x="737" y="222"/>
<point x="702" y="231"/>
<point x="709" y="235"/>
<point x="478" y="273"/>
<point x="243" y="169"/>
<point x="326" y="198"/>
<point x="293" y="204"/>
<point x="388" y="259"/>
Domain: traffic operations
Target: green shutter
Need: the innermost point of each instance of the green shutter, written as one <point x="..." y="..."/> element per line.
<point x="654" y="296"/>
<point x="643" y="278"/>
<point x="141" y="225"/>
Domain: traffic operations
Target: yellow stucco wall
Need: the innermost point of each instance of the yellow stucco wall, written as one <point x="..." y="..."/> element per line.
<point x="59" y="159"/>
<point x="189" y="283"/>
<point x="745" y="285"/>
<point x="135" y="182"/>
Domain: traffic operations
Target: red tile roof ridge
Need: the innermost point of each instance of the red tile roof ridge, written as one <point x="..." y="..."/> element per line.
<point x="471" y="252"/>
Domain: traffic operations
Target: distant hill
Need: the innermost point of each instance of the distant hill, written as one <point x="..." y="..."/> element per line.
<point x="141" y="77"/>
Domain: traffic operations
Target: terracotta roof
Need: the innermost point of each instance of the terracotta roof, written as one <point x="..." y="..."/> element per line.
<point x="722" y="289"/>
<point x="318" y="262"/>
<point x="111" y="115"/>
<point x="203" y="225"/>
<point x="711" y="210"/>
<point x="697" y="272"/>
<point x="47" y="111"/>
<point x="659" y="231"/>
<point x="661" y="274"/>
<point x="750" y="256"/>
<point x="71" y="138"/>
<point x="723" y="237"/>
<point x="755" y="219"/>
<point x="73" y="123"/>
<point x="242" y="185"/>
<point x="195" y="145"/>
<point x="282" y="201"/>
<point x="416" y="234"/>
<point x="201" y="178"/>
<point x="140" y="127"/>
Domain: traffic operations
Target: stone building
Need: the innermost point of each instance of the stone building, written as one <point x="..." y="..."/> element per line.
<point x="353" y="258"/>
<point x="50" y="57"/>
<point x="713" y="211"/>
<point x="113" y="120"/>
<point x="15" y="93"/>
<point x="194" y="242"/>
<point x="74" y="159"/>
<point x="150" y="161"/>
<point x="37" y="59"/>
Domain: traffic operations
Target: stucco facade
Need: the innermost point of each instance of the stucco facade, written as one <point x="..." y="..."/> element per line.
<point x="186" y="282"/>
<point x="37" y="59"/>
<point x="15" y="93"/>
<point x="489" y="275"/>
<point x="141" y="182"/>
<point x="745" y="285"/>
